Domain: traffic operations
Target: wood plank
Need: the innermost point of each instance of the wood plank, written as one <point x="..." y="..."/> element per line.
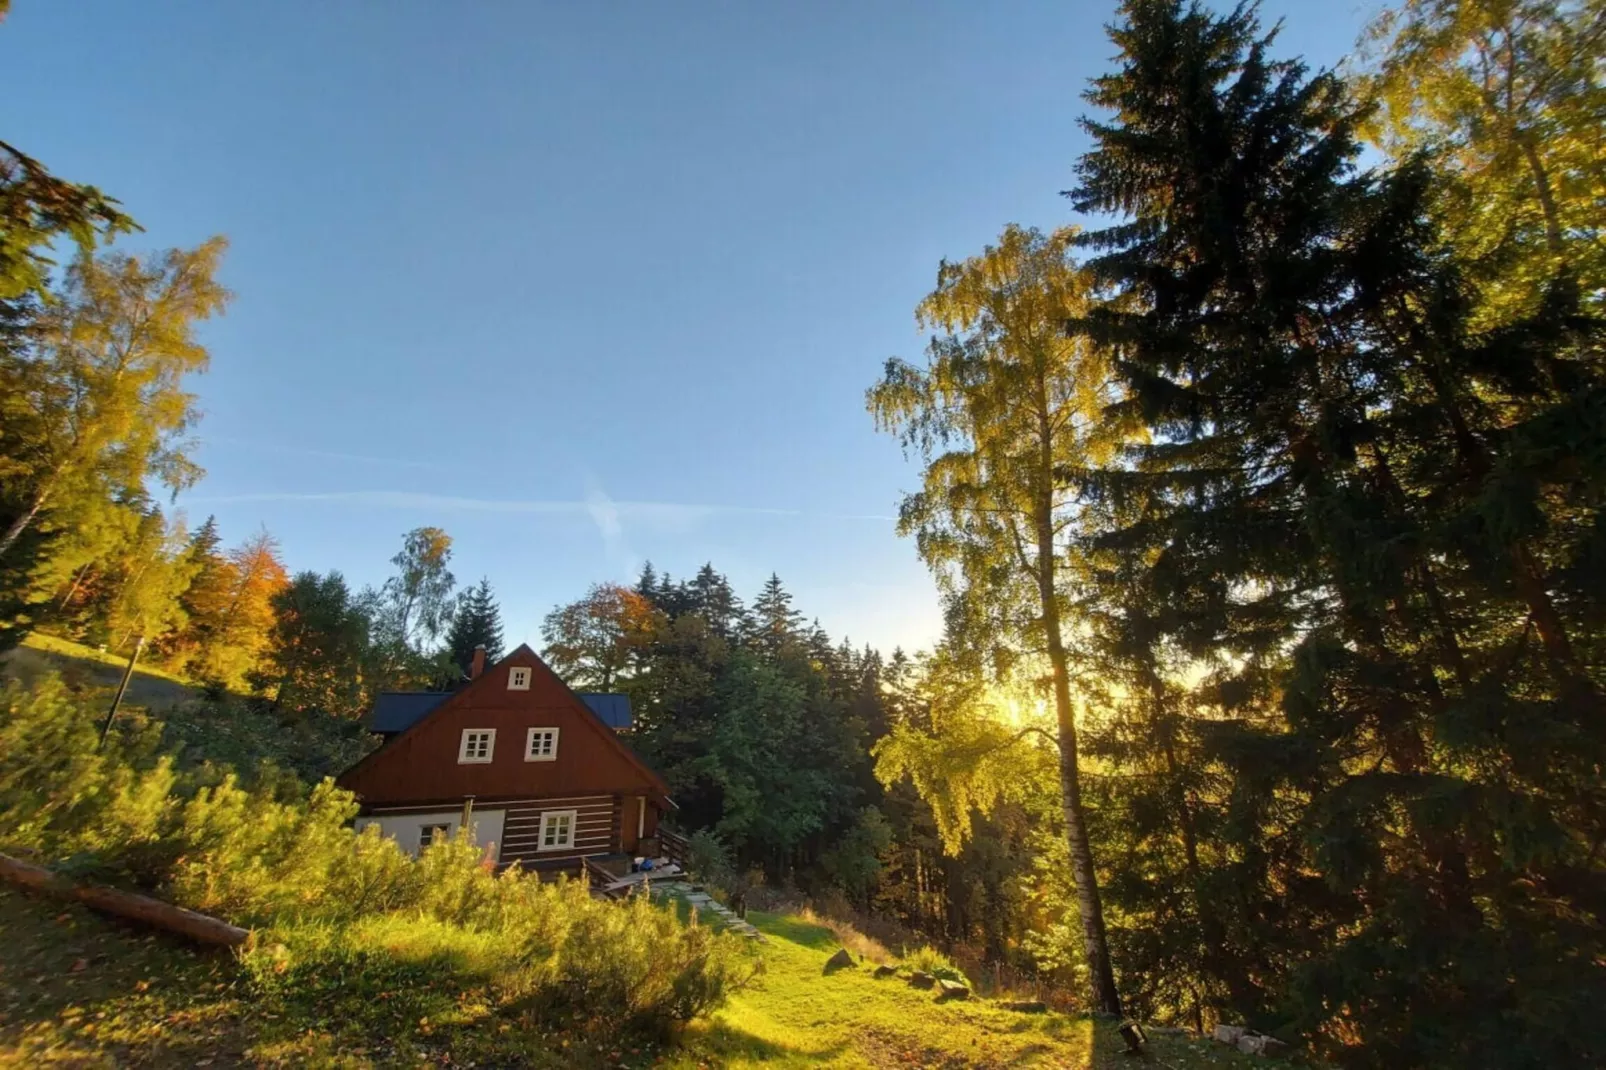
<point x="557" y="802"/>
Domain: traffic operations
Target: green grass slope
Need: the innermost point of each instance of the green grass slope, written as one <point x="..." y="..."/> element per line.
<point x="85" y="666"/>
<point x="796" y="1016"/>
<point x="79" y="990"/>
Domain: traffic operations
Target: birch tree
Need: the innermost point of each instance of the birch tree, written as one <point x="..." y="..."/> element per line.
<point x="98" y="407"/>
<point x="1005" y="402"/>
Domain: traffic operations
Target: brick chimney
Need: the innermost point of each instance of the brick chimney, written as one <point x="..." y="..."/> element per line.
<point x="478" y="667"/>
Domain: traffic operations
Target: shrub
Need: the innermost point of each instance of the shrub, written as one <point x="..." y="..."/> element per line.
<point x="929" y="960"/>
<point x="708" y="858"/>
<point x="348" y="924"/>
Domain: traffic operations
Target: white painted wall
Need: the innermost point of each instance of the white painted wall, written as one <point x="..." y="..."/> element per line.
<point x="406" y="828"/>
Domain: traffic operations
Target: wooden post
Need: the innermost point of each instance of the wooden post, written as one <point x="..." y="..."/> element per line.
<point x="122" y="688"/>
<point x="468" y="813"/>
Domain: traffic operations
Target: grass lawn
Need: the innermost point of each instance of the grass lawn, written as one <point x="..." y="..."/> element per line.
<point x="82" y="991"/>
<point x="151" y="687"/>
<point x="795" y="1016"/>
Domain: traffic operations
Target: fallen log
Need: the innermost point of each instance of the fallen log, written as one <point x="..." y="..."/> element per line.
<point x="201" y="928"/>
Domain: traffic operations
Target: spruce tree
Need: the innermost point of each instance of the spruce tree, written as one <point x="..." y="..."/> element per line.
<point x="774" y="624"/>
<point x="477" y="623"/>
<point x="713" y="598"/>
<point x="1351" y="523"/>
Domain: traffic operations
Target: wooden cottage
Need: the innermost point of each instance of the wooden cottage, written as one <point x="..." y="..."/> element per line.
<point x="538" y="771"/>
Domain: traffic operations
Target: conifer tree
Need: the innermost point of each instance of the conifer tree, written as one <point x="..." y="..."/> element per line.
<point x="1350" y="532"/>
<point x="774" y="623"/>
<point x="713" y="599"/>
<point x="476" y="623"/>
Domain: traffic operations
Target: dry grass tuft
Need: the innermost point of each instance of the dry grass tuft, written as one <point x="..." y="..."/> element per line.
<point x="859" y="944"/>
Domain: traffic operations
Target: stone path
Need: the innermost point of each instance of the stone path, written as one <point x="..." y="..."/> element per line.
<point x="708" y="907"/>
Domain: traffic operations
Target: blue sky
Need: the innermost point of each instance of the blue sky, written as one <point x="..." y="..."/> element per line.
<point x="583" y="283"/>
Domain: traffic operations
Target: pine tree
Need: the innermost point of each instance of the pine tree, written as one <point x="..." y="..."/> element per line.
<point x="1349" y="526"/>
<point x="713" y="598"/>
<point x="774" y="624"/>
<point x="476" y="623"/>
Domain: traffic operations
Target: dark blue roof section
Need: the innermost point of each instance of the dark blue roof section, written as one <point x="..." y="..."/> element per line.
<point x="397" y="711"/>
<point x="613" y="709"/>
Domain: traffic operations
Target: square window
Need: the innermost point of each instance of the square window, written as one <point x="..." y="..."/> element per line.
<point x="426" y="834"/>
<point x="477" y="745"/>
<point x="518" y="678"/>
<point x="541" y="745"/>
<point x="557" y="830"/>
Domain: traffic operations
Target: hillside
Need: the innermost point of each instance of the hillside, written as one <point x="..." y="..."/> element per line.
<point x="78" y="990"/>
<point x="150" y="687"/>
<point x="794" y="1015"/>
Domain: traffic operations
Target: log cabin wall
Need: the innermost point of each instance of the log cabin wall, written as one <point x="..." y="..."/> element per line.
<point x="595" y="824"/>
<point x="422" y="766"/>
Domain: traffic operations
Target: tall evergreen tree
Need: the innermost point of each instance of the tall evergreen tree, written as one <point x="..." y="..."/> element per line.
<point x="476" y="623"/>
<point x="713" y="599"/>
<point x="773" y="623"/>
<point x="1350" y="529"/>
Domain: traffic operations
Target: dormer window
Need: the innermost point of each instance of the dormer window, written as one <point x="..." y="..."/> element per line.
<point x="518" y="678"/>
<point x="541" y="745"/>
<point x="476" y="747"/>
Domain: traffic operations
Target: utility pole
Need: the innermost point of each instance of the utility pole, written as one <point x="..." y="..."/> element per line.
<point x="117" y="700"/>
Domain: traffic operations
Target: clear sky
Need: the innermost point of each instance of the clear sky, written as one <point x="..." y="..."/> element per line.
<point x="584" y="284"/>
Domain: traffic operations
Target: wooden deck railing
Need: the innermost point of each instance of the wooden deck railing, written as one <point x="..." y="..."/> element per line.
<point x="596" y="876"/>
<point x="674" y="846"/>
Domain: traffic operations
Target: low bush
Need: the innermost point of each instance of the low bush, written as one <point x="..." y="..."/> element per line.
<point x="348" y="925"/>
<point x="929" y="960"/>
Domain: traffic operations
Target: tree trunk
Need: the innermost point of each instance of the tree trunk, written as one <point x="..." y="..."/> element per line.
<point x="1101" y="974"/>
<point x="199" y="927"/>
<point x="19" y="525"/>
<point x="1554" y="240"/>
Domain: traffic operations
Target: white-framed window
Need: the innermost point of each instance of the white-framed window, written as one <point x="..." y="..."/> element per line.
<point x="518" y="678"/>
<point x="426" y="834"/>
<point x="557" y="830"/>
<point x="477" y="746"/>
<point x="541" y="745"/>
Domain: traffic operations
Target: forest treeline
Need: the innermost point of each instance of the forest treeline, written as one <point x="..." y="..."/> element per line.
<point x="1265" y="509"/>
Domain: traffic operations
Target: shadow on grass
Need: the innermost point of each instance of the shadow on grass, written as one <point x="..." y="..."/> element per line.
<point x="719" y="1042"/>
<point x="1160" y="1050"/>
<point x="798" y="932"/>
<point x="87" y="991"/>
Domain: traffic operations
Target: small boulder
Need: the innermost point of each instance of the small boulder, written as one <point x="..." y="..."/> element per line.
<point x="1229" y="1034"/>
<point x="1251" y="1043"/>
<point x="1025" y="1006"/>
<point x="920" y="979"/>
<point x="947" y="989"/>
<point x="841" y="960"/>
<point x="885" y="971"/>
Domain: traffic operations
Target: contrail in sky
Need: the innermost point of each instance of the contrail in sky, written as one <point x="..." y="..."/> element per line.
<point x="602" y="510"/>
